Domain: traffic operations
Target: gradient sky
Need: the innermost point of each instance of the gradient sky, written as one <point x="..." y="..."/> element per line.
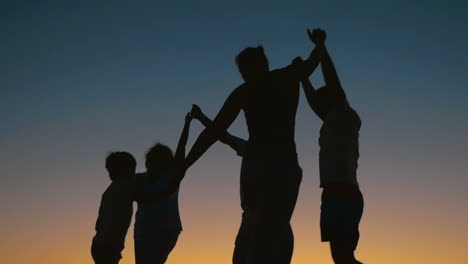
<point x="80" y="79"/>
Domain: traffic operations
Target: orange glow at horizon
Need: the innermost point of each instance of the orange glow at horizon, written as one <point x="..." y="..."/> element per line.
<point x="392" y="231"/>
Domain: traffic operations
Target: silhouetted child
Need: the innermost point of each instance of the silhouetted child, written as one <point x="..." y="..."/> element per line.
<point x="115" y="211"/>
<point x="158" y="224"/>
<point x="342" y="200"/>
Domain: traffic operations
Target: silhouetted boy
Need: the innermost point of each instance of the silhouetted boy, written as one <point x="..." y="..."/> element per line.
<point x="342" y="201"/>
<point x="115" y="211"/>
<point x="157" y="224"/>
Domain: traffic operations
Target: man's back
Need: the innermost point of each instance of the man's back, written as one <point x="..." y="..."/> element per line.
<point x="270" y="109"/>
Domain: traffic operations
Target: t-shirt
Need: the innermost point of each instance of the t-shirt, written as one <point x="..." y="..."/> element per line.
<point x="115" y="214"/>
<point x="160" y="216"/>
<point x="339" y="147"/>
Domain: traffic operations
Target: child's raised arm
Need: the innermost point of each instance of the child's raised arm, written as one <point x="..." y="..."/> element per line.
<point x="309" y="91"/>
<point x="179" y="163"/>
<point x="332" y="81"/>
<point x="178" y="170"/>
<point x="310" y="94"/>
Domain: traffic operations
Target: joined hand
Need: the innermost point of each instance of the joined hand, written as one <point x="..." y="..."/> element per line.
<point x="196" y="111"/>
<point x="317" y="36"/>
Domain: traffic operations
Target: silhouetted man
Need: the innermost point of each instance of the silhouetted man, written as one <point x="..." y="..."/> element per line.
<point x="270" y="174"/>
<point x="240" y="146"/>
<point x="342" y="201"/>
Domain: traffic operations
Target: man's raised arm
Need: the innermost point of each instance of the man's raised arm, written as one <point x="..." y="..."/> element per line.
<point x="223" y="120"/>
<point x="317" y="36"/>
<point x="237" y="144"/>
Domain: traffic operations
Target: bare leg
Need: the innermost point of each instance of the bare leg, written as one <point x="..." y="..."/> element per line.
<point x="242" y="242"/>
<point x="343" y="252"/>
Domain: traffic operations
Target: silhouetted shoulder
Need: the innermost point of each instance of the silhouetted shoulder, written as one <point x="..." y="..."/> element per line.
<point x="290" y="72"/>
<point x="346" y="117"/>
<point x="286" y="81"/>
<point x="285" y="72"/>
<point x="355" y="117"/>
<point x="239" y="90"/>
<point x="124" y="186"/>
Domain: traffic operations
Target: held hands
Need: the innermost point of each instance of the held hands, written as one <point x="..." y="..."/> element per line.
<point x="196" y="112"/>
<point x="317" y="36"/>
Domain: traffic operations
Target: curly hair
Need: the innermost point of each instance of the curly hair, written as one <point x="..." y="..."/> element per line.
<point x="159" y="158"/>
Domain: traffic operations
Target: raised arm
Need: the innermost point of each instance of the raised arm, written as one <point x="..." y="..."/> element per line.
<point x="223" y="120"/>
<point x="309" y="91"/>
<point x="238" y="144"/>
<point x="180" y="152"/>
<point x="328" y="70"/>
<point x="331" y="79"/>
<point x="317" y="36"/>
<point x="178" y="170"/>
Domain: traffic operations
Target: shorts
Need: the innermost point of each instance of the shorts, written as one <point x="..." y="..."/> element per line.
<point x="339" y="219"/>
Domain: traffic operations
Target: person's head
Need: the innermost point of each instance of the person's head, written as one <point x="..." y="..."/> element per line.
<point x="159" y="158"/>
<point x="120" y="165"/>
<point x="252" y="63"/>
<point x="326" y="99"/>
